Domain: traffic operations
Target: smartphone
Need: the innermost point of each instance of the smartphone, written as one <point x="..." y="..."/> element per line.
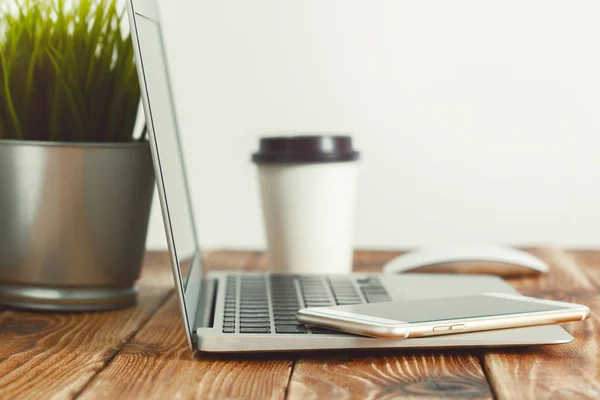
<point x="443" y="316"/>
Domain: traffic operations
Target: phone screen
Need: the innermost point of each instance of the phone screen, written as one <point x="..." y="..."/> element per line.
<point x="448" y="308"/>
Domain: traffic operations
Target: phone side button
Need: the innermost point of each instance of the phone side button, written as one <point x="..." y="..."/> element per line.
<point x="441" y="328"/>
<point x="460" y="327"/>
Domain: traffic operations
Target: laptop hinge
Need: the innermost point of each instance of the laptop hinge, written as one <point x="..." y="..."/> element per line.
<point x="206" y="304"/>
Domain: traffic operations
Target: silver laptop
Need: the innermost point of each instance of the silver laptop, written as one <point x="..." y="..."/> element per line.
<point x="255" y="311"/>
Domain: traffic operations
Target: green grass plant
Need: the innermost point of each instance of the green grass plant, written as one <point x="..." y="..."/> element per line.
<point x="67" y="72"/>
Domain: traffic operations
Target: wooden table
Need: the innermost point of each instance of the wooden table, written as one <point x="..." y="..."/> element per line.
<point x="141" y="352"/>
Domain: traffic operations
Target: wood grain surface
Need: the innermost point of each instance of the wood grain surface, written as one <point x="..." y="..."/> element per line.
<point x="546" y="372"/>
<point x="372" y="261"/>
<point x="561" y="371"/>
<point x="566" y="277"/>
<point x="410" y="376"/>
<point x="165" y="368"/>
<point x="141" y="352"/>
<point x="46" y="355"/>
<point x="589" y="262"/>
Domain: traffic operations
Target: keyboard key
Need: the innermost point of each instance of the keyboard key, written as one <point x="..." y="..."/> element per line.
<point x="372" y="285"/>
<point x="346" y="295"/>
<point x="292" y="308"/>
<point x="291" y="329"/>
<point x="364" y="279"/>
<point x="349" y="294"/>
<point x="255" y="321"/>
<point x="290" y="317"/>
<point x="286" y="303"/>
<point x="254" y="311"/>
<point x="344" y="292"/>
<point x="286" y="322"/>
<point x="317" y="301"/>
<point x="253" y="304"/>
<point x="374" y="288"/>
<point x="286" y="308"/>
<point x="255" y="330"/>
<point x="266" y="324"/>
<point x="255" y="314"/>
<point x="339" y="282"/>
<point x="375" y="291"/>
<point x="228" y="330"/>
<point x="348" y="298"/>
<point x="281" y="314"/>
<point x="323" y="331"/>
<point x="377" y="298"/>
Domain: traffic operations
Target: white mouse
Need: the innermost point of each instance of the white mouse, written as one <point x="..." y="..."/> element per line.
<point x="479" y="259"/>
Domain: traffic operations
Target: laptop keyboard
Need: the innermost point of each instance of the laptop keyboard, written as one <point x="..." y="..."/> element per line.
<point x="263" y="303"/>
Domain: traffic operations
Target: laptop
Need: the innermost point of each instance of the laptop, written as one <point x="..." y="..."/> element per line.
<point x="236" y="311"/>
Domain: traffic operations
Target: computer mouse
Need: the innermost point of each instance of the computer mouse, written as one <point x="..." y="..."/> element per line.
<point x="479" y="259"/>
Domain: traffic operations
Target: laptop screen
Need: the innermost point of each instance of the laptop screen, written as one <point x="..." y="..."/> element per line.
<point x="167" y="147"/>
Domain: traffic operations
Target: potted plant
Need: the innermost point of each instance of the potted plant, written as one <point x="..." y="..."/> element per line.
<point x="76" y="183"/>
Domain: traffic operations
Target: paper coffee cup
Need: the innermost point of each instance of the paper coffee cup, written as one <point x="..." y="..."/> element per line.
<point x="308" y="189"/>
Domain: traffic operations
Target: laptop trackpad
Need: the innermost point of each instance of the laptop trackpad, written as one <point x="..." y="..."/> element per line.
<point x="423" y="286"/>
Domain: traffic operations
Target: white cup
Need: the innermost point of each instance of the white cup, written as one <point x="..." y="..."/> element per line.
<point x="308" y="189"/>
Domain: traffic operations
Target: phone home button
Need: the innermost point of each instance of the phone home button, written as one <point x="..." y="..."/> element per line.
<point x="441" y="328"/>
<point x="460" y="327"/>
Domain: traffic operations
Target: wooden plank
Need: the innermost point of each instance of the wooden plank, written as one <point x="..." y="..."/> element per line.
<point x="559" y="371"/>
<point x="589" y="261"/>
<point x="410" y="376"/>
<point x="565" y="277"/>
<point x="372" y="261"/>
<point x="45" y="355"/>
<point x="231" y="260"/>
<point x="364" y="261"/>
<point x="157" y="362"/>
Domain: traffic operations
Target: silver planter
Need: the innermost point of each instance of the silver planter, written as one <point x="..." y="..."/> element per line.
<point x="73" y="223"/>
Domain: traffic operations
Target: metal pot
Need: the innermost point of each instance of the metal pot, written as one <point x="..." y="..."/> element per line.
<point x="73" y="223"/>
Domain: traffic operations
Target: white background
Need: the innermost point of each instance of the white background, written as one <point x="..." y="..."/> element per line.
<point x="478" y="121"/>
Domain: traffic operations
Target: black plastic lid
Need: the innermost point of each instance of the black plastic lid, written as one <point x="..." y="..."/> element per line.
<point x="305" y="150"/>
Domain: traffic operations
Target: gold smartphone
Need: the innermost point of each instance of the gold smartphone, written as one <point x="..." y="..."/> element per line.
<point x="443" y="316"/>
